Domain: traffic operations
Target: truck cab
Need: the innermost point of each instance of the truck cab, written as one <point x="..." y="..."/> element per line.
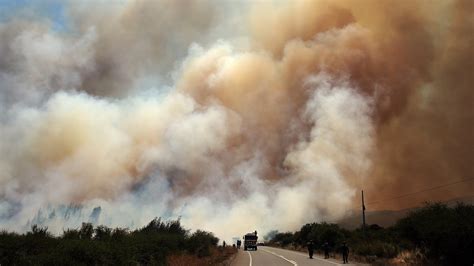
<point x="250" y="241"/>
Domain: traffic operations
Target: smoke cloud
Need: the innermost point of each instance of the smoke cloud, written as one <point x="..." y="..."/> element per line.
<point x="233" y="116"/>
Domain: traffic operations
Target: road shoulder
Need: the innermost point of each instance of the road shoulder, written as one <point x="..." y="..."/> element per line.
<point x="330" y="261"/>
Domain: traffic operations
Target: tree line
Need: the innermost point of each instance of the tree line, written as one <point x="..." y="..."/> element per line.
<point x="435" y="233"/>
<point x="101" y="245"/>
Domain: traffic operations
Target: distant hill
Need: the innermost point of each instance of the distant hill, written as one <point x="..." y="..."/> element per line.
<point x="388" y="218"/>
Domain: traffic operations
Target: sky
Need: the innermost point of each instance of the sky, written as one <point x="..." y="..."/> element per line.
<point x="51" y="10"/>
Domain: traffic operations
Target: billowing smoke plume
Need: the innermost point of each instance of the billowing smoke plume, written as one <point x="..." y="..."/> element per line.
<point x="232" y="116"/>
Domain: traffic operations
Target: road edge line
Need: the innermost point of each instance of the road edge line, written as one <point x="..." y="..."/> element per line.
<point x="314" y="257"/>
<point x="281" y="257"/>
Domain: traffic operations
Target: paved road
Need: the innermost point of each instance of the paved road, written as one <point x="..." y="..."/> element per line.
<point x="269" y="256"/>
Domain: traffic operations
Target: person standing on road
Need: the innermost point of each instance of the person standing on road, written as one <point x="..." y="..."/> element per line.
<point x="239" y="243"/>
<point x="345" y="253"/>
<point x="326" y="250"/>
<point x="310" y="246"/>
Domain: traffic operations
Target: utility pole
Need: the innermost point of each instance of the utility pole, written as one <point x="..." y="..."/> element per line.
<point x="363" y="211"/>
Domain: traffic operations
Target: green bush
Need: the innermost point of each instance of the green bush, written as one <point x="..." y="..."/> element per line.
<point x="200" y="242"/>
<point x="102" y="233"/>
<point x="100" y="245"/>
<point x="283" y="239"/>
<point x="444" y="235"/>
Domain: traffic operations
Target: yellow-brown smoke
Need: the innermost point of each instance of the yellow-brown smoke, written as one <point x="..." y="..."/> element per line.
<point x="235" y="115"/>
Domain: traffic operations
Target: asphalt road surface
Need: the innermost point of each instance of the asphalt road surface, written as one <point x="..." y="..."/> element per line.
<point x="269" y="256"/>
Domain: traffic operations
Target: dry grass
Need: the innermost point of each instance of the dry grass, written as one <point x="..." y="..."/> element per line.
<point x="219" y="256"/>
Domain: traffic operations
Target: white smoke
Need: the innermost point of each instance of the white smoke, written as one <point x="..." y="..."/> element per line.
<point x="206" y="113"/>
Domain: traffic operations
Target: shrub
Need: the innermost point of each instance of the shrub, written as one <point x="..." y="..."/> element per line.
<point x="200" y="243"/>
<point x="378" y="248"/>
<point x="86" y="231"/>
<point x="71" y="234"/>
<point x="443" y="233"/>
<point x="102" y="245"/>
<point x="102" y="233"/>
<point x="283" y="239"/>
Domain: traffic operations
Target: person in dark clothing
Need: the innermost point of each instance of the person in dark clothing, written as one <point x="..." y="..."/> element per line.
<point x="223" y="244"/>
<point x="310" y="246"/>
<point x="345" y="253"/>
<point x="326" y="250"/>
<point x="239" y="243"/>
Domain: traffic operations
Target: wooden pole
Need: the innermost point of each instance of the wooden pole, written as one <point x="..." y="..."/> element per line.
<point x="363" y="211"/>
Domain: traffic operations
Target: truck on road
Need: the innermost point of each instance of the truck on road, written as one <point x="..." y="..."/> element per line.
<point x="250" y="241"/>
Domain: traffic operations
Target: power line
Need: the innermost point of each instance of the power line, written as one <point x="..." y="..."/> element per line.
<point x="424" y="190"/>
<point x="445" y="201"/>
<point x="461" y="197"/>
